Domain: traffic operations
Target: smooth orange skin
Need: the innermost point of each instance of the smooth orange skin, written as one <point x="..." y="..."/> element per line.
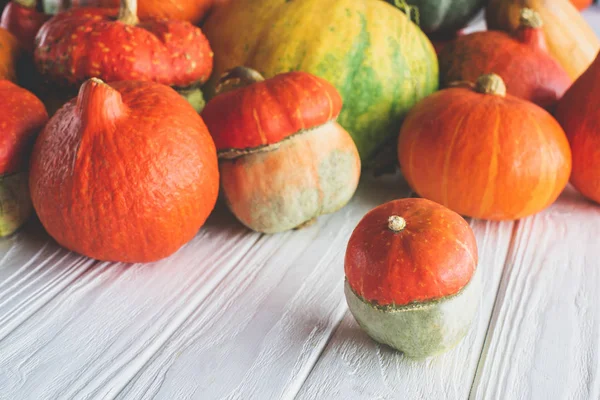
<point x="522" y="61"/>
<point x="268" y="111"/>
<point x="262" y="185"/>
<point x="126" y="172"/>
<point x="89" y="42"/>
<point x="433" y="257"/>
<point x="484" y="156"/>
<point x="193" y="11"/>
<point x="10" y="51"/>
<point x="582" y="4"/>
<point x="579" y="115"/>
<point x="22" y="117"/>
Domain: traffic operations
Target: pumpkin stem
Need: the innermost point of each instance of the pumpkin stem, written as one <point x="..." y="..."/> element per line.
<point x="236" y="78"/>
<point x="99" y="103"/>
<point x="491" y="84"/>
<point x="396" y="223"/>
<point x="412" y="12"/>
<point x="530" y="29"/>
<point x="128" y="12"/>
<point x="26" y="3"/>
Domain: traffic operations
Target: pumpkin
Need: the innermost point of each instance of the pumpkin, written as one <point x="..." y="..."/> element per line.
<point x="10" y="52"/>
<point x="91" y="42"/>
<point x="483" y="153"/>
<point x="570" y="39"/>
<point x="23" y="116"/>
<point x="187" y="10"/>
<point x="283" y="159"/>
<point x="380" y="62"/>
<point x="446" y="16"/>
<point x="579" y="115"/>
<point x="124" y="172"/>
<point x="23" y="20"/>
<point x="411" y="276"/>
<point x="582" y="4"/>
<point x="521" y="59"/>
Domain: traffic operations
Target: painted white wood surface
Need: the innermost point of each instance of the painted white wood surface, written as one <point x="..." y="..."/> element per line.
<point x="238" y="315"/>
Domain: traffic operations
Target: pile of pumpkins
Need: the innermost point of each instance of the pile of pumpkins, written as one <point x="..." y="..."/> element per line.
<point x="121" y="123"/>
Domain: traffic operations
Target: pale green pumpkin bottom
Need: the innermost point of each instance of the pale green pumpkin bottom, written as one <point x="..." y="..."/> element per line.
<point x="419" y="330"/>
<point x="15" y="202"/>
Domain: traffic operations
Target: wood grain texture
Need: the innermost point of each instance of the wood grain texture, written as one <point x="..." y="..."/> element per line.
<point x="545" y="330"/>
<point x="355" y="367"/>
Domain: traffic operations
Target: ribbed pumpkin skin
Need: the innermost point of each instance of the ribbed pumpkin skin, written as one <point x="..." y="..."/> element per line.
<point x="570" y="39"/>
<point x="10" y="51"/>
<point x="445" y="16"/>
<point x="312" y="173"/>
<point x="124" y="173"/>
<point x="528" y="72"/>
<point x="484" y="156"/>
<point x="379" y="61"/>
<point x="579" y="115"/>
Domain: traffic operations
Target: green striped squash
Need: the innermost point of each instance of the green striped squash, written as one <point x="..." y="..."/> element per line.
<point x="443" y="16"/>
<point x="379" y="60"/>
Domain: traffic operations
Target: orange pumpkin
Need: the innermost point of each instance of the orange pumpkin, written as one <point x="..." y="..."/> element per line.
<point x="23" y="20"/>
<point x="187" y="10"/>
<point x="22" y="116"/>
<point x="521" y="59"/>
<point x="483" y="153"/>
<point x="582" y="4"/>
<point x="124" y="172"/>
<point x="410" y="281"/>
<point x="283" y="159"/>
<point x="579" y="115"/>
<point x="10" y="52"/>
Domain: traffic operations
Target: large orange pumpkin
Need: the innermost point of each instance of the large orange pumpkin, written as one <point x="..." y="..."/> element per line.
<point x="579" y="114"/>
<point x="483" y="153"/>
<point x="10" y="52"/>
<point x="22" y="116"/>
<point x="124" y="172"/>
<point x="283" y="159"/>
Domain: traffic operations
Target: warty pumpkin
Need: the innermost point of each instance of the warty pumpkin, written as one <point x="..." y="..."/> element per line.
<point x="521" y="59"/>
<point x="484" y="153"/>
<point x="22" y="116"/>
<point x="379" y="61"/>
<point x="10" y="53"/>
<point x="442" y="16"/>
<point x="579" y="115"/>
<point x="23" y="20"/>
<point x="570" y="39"/>
<point x="114" y="45"/>
<point x="283" y="159"/>
<point x="125" y="172"/>
<point x="411" y="276"/>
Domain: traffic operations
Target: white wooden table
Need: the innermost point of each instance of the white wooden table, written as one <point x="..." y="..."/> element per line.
<point x="239" y="315"/>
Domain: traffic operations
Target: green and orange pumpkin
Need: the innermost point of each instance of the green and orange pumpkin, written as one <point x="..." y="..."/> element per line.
<point x="411" y="276"/>
<point x="283" y="158"/>
<point x="379" y="61"/>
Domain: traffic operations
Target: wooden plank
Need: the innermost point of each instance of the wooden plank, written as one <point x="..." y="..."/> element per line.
<point x="233" y="313"/>
<point x="354" y="366"/>
<point x="545" y="331"/>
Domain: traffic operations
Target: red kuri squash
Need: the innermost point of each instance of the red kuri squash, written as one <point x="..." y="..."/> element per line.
<point x="410" y="276"/>
<point x="22" y="116"/>
<point x="23" y="20"/>
<point x="521" y="59"/>
<point x="124" y="172"/>
<point x="483" y="153"/>
<point x="579" y="115"/>
<point x="283" y="159"/>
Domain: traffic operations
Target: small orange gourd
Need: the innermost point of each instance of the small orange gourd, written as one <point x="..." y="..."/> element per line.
<point x="483" y="153"/>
